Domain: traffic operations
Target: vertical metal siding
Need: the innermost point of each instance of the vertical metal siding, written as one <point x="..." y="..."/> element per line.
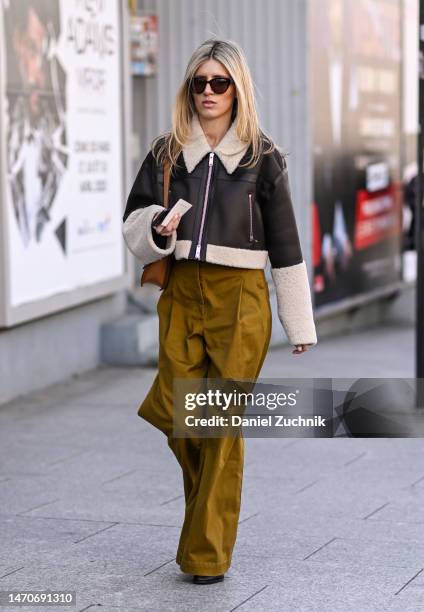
<point x="274" y="36"/>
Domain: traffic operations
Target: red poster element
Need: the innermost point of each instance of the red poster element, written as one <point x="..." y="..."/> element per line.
<point x="377" y="216"/>
<point x="316" y="236"/>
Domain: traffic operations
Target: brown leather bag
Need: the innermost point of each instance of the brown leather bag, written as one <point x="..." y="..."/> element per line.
<point x="158" y="271"/>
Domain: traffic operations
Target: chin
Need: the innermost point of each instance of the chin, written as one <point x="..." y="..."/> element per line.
<point x="207" y="113"/>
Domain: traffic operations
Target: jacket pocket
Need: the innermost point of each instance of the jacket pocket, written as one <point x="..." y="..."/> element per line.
<point x="252" y="238"/>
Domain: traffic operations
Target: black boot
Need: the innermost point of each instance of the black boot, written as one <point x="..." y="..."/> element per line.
<point x="207" y="579"/>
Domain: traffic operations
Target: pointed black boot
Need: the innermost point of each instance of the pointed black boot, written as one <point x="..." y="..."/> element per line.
<point x="207" y="579"/>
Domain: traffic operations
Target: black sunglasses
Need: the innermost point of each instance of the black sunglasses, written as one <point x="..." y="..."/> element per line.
<point x="219" y="85"/>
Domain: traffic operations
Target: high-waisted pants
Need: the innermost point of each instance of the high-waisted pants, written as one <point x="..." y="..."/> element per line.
<point x="214" y="322"/>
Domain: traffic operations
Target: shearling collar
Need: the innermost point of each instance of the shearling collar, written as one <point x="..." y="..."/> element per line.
<point x="230" y="149"/>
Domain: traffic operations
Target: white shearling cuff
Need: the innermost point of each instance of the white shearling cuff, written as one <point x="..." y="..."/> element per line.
<point x="294" y="303"/>
<point x="137" y="233"/>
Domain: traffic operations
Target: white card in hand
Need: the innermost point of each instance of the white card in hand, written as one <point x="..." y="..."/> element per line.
<point x="182" y="206"/>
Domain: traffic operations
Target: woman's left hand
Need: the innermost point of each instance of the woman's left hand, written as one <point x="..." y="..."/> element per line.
<point x="301" y="348"/>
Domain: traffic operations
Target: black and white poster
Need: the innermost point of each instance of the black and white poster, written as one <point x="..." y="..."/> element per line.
<point x="61" y="133"/>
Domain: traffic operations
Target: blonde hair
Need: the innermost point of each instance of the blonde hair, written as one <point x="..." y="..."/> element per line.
<point x="231" y="56"/>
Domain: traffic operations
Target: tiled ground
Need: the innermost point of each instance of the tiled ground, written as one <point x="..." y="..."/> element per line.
<point x="91" y="500"/>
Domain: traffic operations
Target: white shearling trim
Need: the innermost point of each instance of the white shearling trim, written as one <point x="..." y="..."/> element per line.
<point x="230" y="149"/>
<point x="226" y="256"/>
<point x="182" y="249"/>
<point x="238" y="258"/>
<point x="294" y="303"/>
<point x="137" y="232"/>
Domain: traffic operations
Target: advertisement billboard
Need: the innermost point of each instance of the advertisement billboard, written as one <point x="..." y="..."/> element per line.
<point x="356" y="114"/>
<point x="62" y="154"/>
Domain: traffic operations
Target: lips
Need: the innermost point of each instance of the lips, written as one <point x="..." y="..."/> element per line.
<point x="208" y="103"/>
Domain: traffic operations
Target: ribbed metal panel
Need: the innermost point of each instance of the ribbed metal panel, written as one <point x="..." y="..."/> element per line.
<point x="273" y="35"/>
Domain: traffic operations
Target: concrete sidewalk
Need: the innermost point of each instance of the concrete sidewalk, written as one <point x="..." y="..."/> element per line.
<point x="91" y="500"/>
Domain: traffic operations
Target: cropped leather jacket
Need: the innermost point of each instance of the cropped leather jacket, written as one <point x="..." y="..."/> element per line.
<point x="239" y="217"/>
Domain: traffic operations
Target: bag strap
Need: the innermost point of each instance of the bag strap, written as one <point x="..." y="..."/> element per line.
<point x="166" y="174"/>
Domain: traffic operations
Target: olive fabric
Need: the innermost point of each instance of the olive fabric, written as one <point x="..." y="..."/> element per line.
<point x="214" y="322"/>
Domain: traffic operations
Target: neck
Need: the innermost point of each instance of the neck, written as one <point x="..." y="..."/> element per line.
<point x="215" y="128"/>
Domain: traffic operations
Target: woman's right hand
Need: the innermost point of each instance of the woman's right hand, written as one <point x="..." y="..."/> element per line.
<point x="168" y="229"/>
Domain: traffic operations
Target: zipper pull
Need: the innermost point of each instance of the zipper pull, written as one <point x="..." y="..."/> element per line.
<point x="197" y="255"/>
<point x="211" y="158"/>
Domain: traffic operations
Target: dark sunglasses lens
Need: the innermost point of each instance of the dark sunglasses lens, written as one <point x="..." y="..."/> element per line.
<point x="199" y="85"/>
<point x="220" y="85"/>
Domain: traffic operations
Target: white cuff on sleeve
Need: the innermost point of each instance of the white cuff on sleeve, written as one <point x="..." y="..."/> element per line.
<point x="294" y="303"/>
<point x="137" y="233"/>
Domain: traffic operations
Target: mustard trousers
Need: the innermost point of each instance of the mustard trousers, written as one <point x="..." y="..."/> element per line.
<point x="214" y="322"/>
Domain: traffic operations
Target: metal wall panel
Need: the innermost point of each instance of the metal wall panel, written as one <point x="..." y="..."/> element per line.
<point x="273" y="35"/>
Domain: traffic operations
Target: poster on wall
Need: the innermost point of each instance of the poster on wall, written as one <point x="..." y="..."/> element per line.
<point x="355" y="108"/>
<point x="62" y="142"/>
<point x="144" y="44"/>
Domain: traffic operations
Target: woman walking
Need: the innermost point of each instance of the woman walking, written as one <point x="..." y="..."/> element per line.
<point x="215" y="314"/>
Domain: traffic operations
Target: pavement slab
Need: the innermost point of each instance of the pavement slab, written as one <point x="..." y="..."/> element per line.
<point x="91" y="500"/>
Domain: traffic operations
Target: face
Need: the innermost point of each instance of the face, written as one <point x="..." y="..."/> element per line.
<point x="29" y="48"/>
<point x="219" y="105"/>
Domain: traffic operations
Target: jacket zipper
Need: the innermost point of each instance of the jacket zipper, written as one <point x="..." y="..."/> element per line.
<point x="205" y="203"/>
<point x="251" y="217"/>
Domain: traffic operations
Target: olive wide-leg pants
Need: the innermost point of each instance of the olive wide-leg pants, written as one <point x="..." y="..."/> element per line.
<point x="214" y="322"/>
